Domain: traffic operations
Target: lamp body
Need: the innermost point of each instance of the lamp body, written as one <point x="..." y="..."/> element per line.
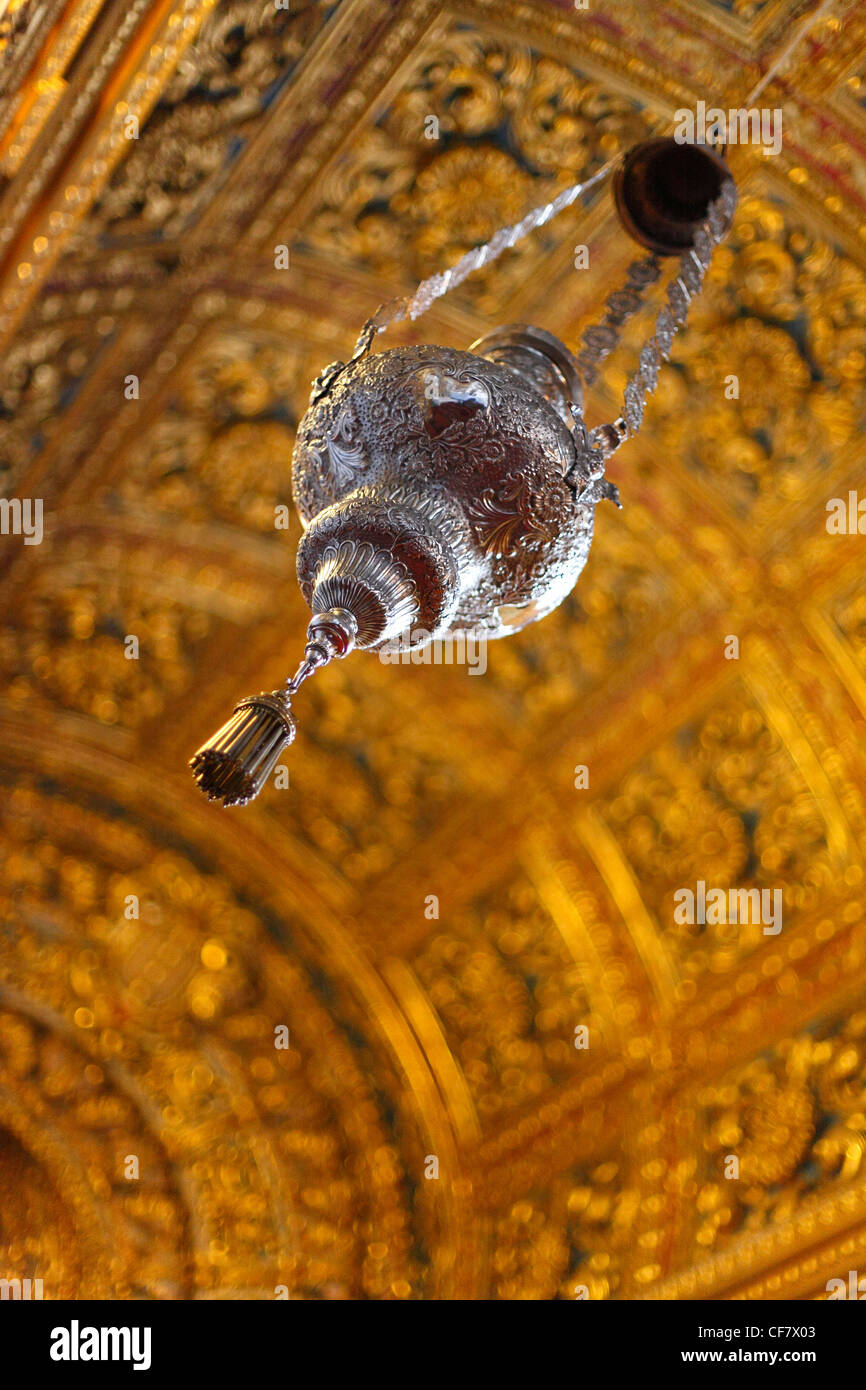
<point x="442" y="490"/>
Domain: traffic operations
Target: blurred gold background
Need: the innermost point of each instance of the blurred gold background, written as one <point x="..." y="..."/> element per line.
<point x="410" y="1036"/>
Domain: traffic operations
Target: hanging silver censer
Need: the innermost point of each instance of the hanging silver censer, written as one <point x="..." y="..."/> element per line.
<point x="445" y="491"/>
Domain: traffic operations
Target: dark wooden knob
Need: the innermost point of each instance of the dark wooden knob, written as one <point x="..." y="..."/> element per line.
<point x="663" y="191"/>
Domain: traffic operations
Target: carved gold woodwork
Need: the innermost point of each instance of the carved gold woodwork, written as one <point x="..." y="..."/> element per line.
<point x="413" y="1034"/>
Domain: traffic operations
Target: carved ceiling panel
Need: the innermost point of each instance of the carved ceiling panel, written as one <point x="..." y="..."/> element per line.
<point x="437" y="908"/>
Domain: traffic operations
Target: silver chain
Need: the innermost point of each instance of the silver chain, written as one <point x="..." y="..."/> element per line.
<point x="601" y="338"/>
<point x="414" y="305"/>
<point x="681" y="290"/>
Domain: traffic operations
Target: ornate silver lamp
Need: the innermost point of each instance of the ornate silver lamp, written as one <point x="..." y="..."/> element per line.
<point x="443" y="491"/>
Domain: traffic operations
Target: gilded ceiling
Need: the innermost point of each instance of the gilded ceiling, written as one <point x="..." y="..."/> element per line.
<point x="152" y="157"/>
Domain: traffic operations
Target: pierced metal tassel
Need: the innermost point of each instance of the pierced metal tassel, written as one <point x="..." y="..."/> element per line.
<point x="234" y="765"/>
